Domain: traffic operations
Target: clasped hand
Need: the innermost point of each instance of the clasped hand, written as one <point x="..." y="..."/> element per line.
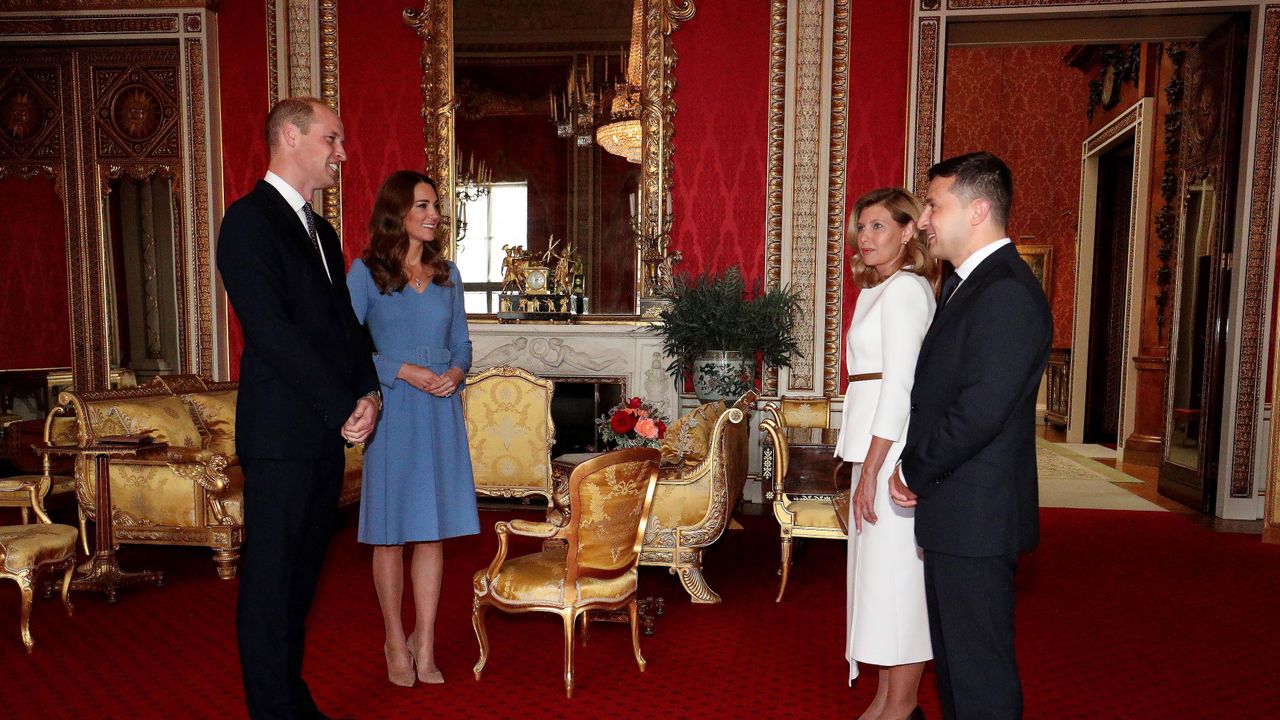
<point x="363" y="419"/>
<point x="438" y="384"/>
<point x="898" y="490"/>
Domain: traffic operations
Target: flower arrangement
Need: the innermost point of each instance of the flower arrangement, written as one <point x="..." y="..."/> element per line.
<point x="632" y="423"/>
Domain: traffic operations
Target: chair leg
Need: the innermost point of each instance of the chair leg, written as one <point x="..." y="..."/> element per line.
<point x="583" y="629"/>
<point x="225" y="559"/>
<point x="569" y="621"/>
<point x="66" y="584"/>
<point x="693" y="582"/>
<point x="26" y="515"/>
<point x="27" y="586"/>
<point x="478" y="610"/>
<point x="84" y="531"/>
<point x="785" y="569"/>
<point x="634" y="608"/>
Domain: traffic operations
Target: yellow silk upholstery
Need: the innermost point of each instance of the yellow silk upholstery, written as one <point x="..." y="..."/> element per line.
<point x="27" y="546"/>
<point x="699" y="484"/>
<point x="797" y="517"/>
<point x="216" y="411"/>
<point x="164" y="417"/>
<point x="807" y="412"/>
<point x="509" y="431"/>
<point x="192" y="493"/>
<point x="689" y="437"/>
<point x="813" y="513"/>
<point x="28" y="550"/>
<point x="594" y="568"/>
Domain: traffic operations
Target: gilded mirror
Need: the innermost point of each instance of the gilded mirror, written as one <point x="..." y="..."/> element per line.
<point x="548" y="127"/>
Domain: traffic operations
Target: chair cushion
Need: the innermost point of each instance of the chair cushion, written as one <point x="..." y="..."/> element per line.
<point x="688" y="438"/>
<point x="813" y="513"/>
<point x="23" y="547"/>
<point x="217" y="412"/>
<point x="538" y="579"/>
<point x="164" y="417"/>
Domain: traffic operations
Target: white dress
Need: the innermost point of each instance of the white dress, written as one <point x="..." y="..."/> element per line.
<point x="887" y="622"/>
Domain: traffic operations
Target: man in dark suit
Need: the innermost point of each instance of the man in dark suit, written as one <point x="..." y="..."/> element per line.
<point x="969" y="462"/>
<point x="307" y="382"/>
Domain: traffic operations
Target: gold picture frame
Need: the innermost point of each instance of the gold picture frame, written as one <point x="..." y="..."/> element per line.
<point x="1040" y="259"/>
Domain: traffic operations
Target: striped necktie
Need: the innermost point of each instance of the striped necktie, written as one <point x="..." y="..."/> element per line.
<point x="315" y="236"/>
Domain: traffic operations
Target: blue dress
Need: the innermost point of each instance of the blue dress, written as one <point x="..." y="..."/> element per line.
<point x="417" y="466"/>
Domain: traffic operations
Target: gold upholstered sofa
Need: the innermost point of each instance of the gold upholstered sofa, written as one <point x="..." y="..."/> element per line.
<point x="700" y="480"/>
<point x="193" y="494"/>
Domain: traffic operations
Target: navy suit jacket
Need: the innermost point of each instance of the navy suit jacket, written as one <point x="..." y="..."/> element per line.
<point x="306" y="359"/>
<point x="970" y="453"/>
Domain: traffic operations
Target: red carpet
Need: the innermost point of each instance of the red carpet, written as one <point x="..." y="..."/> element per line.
<point x="1121" y="615"/>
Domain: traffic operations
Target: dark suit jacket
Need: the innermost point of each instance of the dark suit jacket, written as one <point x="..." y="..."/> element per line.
<point x="970" y="453"/>
<point x="306" y="360"/>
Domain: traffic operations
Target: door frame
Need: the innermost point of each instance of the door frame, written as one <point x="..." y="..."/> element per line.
<point x="1137" y="123"/>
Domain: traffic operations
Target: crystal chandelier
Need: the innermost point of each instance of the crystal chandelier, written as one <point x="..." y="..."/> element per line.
<point x="622" y="134"/>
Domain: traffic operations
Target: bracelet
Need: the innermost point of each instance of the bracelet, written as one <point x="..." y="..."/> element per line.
<point x="377" y="397"/>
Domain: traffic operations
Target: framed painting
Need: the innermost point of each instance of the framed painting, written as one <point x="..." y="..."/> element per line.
<point x="1040" y="259"/>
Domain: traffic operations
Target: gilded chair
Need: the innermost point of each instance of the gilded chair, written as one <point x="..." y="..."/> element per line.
<point x="799" y="514"/>
<point x="510" y="433"/>
<point x="596" y="565"/>
<point x="27" y="550"/>
<point x="704" y="466"/>
<point x="806" y="412"/>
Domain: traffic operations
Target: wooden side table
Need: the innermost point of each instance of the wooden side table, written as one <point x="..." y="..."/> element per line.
<point x="102" y="573"/>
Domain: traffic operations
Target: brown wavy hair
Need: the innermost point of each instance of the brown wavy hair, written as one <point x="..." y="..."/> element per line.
<point x="389" y="243"/>
<point x="903" y="207"/>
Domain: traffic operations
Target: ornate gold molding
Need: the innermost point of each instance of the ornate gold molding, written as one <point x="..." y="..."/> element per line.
<point x="298" y="16"/>
<point x="45" y="6"/>
<point x="926" y="104"/>
<point x="836" y="199"/>
<point x="434" y="25"/>
<point x="776" y="153"/>
<point x="273" y="55"/>
<point x="328" y="34"/>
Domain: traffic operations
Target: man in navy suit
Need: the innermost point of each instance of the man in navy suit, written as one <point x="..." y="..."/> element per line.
<point x="969" y="462"/>
<point x="307" y="382"/>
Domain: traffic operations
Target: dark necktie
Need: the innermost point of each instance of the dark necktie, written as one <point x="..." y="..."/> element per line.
<point x="948" y="288"/>
<point x="315" y="236"/>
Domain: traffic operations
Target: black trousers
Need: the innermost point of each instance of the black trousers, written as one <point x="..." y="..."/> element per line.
<point x="289" y="510"/>
<point x="970" y="602"/>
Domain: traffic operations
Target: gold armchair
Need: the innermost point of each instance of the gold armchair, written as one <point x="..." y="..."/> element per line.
<point x="704" y="466"/>
<point x="509" y="431"/>
<point x="27" y="550"/>
<point x="799" y="516"/>
<point x="189" y="495"/>
<point x="595" y="568"/>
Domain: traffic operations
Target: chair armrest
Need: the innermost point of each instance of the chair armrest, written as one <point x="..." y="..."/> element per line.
<point x="774" y="430"/>
<point x="21" y="483"/>
<point x="523" y="528"/>
<point x="206" y="468"/>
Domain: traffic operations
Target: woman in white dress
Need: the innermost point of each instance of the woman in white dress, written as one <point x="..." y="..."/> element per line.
<point x="887" y="623"/>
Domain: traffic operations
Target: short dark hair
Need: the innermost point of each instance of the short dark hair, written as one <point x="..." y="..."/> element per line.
<point x="296" y="111"/>
<point x="980" y="175"/>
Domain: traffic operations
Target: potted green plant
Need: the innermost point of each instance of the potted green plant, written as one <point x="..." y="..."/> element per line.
<point x="715" y="330"/>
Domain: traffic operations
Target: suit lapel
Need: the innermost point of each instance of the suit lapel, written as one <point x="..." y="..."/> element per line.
<point x="962" y="294"/>
<point x="293" y="224"/>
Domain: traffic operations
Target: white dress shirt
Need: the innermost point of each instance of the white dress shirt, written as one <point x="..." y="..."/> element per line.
<point x="296" y="201"/>
<point x="974" y="260"/>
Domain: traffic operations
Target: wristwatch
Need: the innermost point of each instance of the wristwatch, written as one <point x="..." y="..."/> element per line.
<point x="377" y="397"/>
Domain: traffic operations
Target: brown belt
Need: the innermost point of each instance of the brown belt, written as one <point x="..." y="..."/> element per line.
<point x="864" y="376"/>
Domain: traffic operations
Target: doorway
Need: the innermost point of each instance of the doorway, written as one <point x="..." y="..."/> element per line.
<point x="1107" y="316"/>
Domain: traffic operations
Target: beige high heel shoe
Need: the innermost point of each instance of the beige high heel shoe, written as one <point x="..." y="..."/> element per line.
<point x="403" y="678"/>
<point x="432" y="677"/>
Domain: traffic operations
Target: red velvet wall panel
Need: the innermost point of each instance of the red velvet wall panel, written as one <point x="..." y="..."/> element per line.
<point x="879" y="57"/>
<point x="242" y="71"/>
<point x="1026" y="106"/>
<point x="35" y="322"/>
<point x="721" y="137"/>
<point x="379" y="83"/>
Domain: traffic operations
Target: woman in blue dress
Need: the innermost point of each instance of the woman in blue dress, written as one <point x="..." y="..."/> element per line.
<point x="417" y="468"/>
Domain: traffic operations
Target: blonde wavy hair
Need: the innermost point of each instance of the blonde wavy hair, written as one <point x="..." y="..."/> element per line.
<point x="904" y="208"/>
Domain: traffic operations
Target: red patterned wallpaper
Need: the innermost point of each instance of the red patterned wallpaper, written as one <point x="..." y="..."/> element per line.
<point x="34" y="318"/>
<point x="721" y="137"/>
<point x="879" y="60"/>
<point x="242" y="58"/>
<point x="1026" y="106"/>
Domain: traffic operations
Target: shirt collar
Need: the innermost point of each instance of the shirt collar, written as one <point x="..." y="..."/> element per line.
<point x="287" y="191"/>
<point x="978" y="256"/>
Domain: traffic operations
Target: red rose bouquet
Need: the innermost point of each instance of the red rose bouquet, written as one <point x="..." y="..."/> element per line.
<point x="632" y="423"/>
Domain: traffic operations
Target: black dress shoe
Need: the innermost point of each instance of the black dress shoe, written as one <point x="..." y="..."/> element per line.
<point x="916" y="714"/>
